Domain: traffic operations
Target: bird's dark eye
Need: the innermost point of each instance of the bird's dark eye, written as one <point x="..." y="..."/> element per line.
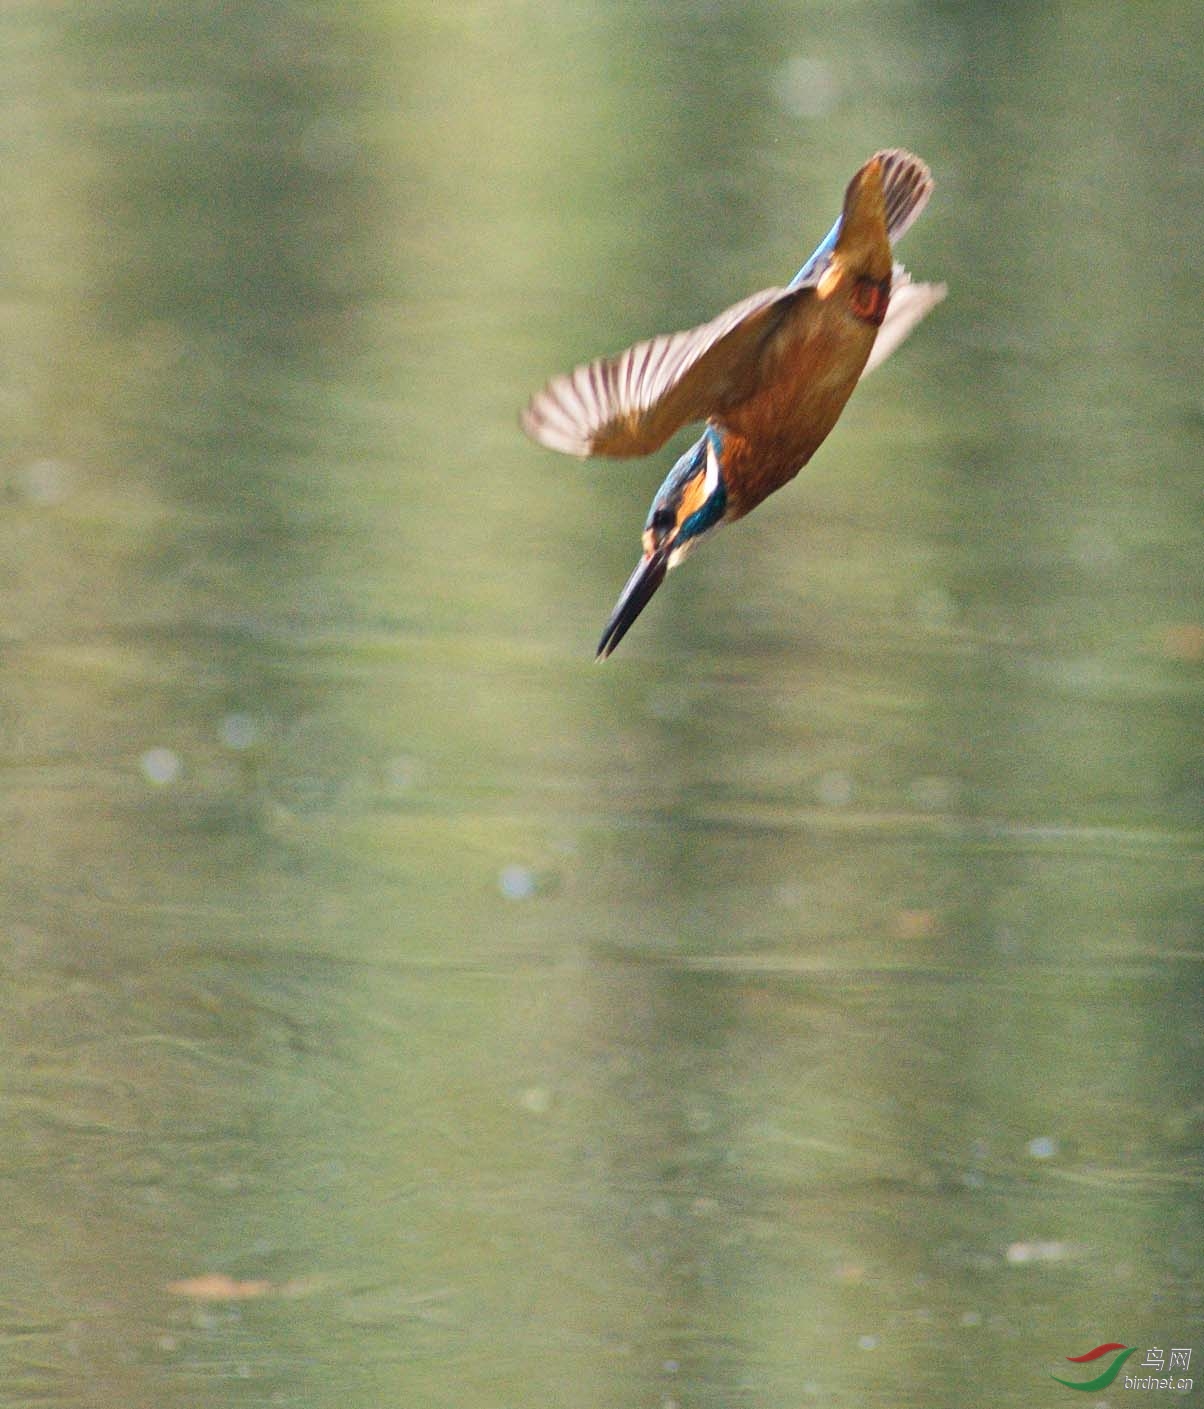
<point x="663" y="520"/>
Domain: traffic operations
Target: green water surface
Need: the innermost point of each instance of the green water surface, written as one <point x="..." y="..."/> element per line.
<point x="398" y="1009"/>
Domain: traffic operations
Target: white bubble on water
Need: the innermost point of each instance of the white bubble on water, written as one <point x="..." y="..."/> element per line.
<point x="806" y="87"/>
<point x="46" y="482"/>
<point x="835" y="789"/>
<point x="160" y="766"/>
<point x="238" y="731"/>
<point x="517" y="882"/>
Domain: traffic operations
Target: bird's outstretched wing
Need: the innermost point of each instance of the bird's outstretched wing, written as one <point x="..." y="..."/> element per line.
<point x="909" y="303"/>
<point x="632" y="403"/>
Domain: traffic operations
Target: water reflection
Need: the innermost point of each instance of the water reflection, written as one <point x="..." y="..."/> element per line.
<point x="804" y="1007"/>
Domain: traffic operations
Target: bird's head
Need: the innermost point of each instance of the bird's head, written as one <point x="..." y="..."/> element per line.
<point x="689" y="504"/>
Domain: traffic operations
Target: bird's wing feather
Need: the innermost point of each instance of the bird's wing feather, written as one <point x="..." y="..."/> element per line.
<point x="909" y="303"/>
<point x="632" y="403"/>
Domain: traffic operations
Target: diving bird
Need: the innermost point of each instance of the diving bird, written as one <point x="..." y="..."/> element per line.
<point x="769" y="376"/>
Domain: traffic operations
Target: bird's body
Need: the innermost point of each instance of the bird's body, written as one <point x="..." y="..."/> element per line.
<point x="770" y="376"/>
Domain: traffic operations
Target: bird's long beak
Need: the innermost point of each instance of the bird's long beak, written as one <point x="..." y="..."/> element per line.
<point x="635" y="596"/>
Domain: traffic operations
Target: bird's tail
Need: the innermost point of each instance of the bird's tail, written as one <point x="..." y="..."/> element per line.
<point x="906" y="186"/>
<point x="882" y="200"/>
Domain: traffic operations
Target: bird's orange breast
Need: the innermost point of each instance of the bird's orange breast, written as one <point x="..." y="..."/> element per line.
<point x="773" y="434"/>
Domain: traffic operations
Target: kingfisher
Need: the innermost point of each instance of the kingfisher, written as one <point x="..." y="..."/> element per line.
<point x="769" y="377"/>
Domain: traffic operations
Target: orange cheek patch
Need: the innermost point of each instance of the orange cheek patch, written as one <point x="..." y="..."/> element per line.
<point x="691" y="498"/>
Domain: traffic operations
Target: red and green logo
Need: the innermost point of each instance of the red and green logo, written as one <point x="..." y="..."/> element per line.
<point x="1103" y="1380"/>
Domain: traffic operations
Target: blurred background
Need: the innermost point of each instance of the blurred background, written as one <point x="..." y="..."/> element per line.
<point x="397" y="1008"/>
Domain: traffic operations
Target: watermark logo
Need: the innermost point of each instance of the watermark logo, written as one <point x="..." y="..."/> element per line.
<point x="1155" y="1359"/>
<point x="1103" y="1380"/>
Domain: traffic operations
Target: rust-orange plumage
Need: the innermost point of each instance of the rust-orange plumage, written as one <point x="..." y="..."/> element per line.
<point x="769" y="376"/>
